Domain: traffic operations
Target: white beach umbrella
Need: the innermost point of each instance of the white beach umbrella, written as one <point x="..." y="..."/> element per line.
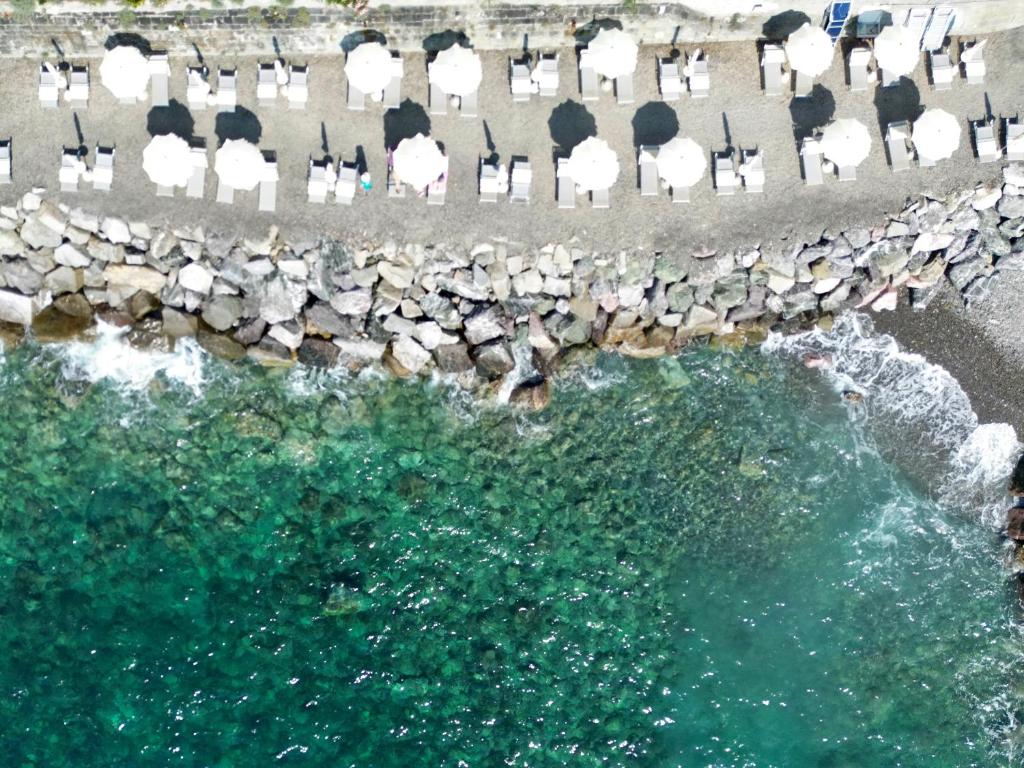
<point x="418" y="161"/>
<point x="681" y="162"/>
<point x="809" y="50"/>
<point x="897" y="50"/>
<point x="457" y="71"/>
<point x="846" y="142"/>
<point x="167" y="160"/>
<point x="593" y="165"/>
<point x="936" y="134"/>
<point x="368" y="67"/>
<point x="240" y="164"/>
<point x="125" y="72"/>
<point x="613" y="53"/>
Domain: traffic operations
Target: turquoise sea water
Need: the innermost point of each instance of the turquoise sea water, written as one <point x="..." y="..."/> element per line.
<point x="695" y="562"/>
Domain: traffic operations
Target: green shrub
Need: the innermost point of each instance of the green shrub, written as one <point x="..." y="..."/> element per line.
<point x="23" y="9"/>
<point x="126" y="18"/>
<point x="301" y="18"/>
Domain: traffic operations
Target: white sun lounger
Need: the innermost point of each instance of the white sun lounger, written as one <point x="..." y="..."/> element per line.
<point x="648" y="163"/>
<point x="78" y="88"/>
<point x="49" y="91"/>
<point x="896" y="137"/>
<point x="846" y="172"/>
<point x="345" y="186"/>
<point x="266" y="84"/>
<point x="985" y="142"/>
<point x="159" y="79"/>
<point x="227" y="90"/>
<point x="520" y="180"/>
<point x="5" y="161"/>
<point x="725" y="174"/>
<point x="566" y="187"/>
<point x="393" y="91"/>
<point x="600" y="199"/>
<point x="752" y="170"/>
<point x="162" y="191"/>
<point x="103" y="170"/>
<point x="225" y="194"/>
<point x="942" y="70"/>
<point x="437" y="190"/>
<point x="669" y="82"/>
<point x="588" y="78"/>
<point x="680" y="194"/>
<point x="298" y="86"/>
<point x="316" y="186"/>
<point x="520" y="83"/>
<point x="974" y="65"/>
<point x="197" y="89"/>
<point x="624" y="89"/>
<point x="356" y="99"/>
<point x="699" y="78"/>
<point x="438" y="101"/>
<point x="197" y="181"/>
<point x="804" y="85"/>
<point x="488" y="182"/>
<point x="69" y="170"/>
<point x="395" y="188"/>
<point x="268" y="184"/>
<point x="548" y="75"/>
<point x="810" y="158"/>
<point x="772" y="60"/>
<point x="467" y="105"/>
<point x="1014" y="140"/>
<point x="859" y="61"/>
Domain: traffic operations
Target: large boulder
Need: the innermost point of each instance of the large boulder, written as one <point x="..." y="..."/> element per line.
<point x="453" y="358"/>
<point x="16" y="308"/>
<point x="37" y="235"/>
<point x="18" y="274"/>
<point x="352" y="303"/>
<point x="195" y="277"/>
<point x="1015" y="523"/>
<point x="409" y="354"/>
<point x="138" y="278"/>
<point x="484" y="325"/>
<point x="493" y="359"/>
<point x="282" y="300"/>
<point x="222" y="312"/>
<point x="318" y="353"/>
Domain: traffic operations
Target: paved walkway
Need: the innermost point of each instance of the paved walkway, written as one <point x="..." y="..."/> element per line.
<point x="786" y="210"/>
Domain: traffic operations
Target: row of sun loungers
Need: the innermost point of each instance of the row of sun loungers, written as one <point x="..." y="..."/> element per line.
<point x="343" y="187"/>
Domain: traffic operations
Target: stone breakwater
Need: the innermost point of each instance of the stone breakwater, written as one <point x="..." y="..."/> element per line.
<point x="480" y="309"/>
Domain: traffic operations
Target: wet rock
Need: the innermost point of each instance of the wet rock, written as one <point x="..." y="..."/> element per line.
<point x="250" y="331"/>
<point x="53" y="325"/>
<point x="493" y="359"/>
<point x="271" y="353"/>
<point x="74" y="304"/>
<point x="534" y="394"/>
<point x="453" y="358"/>
<point x="318" y="353"/>
<point x="142" y="303"/>
<point x="178" y="325"/>
<point x="219" y="345"/>
<point x="799" y="302"/>
<point x="1015" y="524"/>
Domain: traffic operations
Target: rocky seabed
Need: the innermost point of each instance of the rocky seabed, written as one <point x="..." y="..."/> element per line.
<point x="477" y="310"/>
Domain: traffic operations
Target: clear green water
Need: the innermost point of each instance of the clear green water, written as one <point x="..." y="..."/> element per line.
<point x="696" y="563"/>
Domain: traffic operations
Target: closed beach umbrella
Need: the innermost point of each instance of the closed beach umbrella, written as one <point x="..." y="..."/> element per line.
<point x="457" y="71"/>
<point x="239" y="164"/>
<point x="809" y="50"/>
<point x="936" y="134"/>
<point x="418" y="161"/>
<point x="593" y="165"/>
<point x="681" y="162"/>
<point x="897" y="50"/>
<point x="125" y="72"/>
<point x="167" y="160"/>
<point x="613" y="53"/>
<point x="846" y="142"/>
<point x="368" y="67"/>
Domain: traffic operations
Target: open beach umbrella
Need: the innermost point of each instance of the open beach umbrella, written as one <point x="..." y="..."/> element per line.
<point x="167" y="160"/>
<point x="809" y="50"/>
<point x="681" y="162"/>
<point x="125" y="72"/>
<point x="846" y="142"/>
<point x="613" y="53"/>
<point x="368" y="67"/>
<point x="897" y="50"/>
<point x="935" y="134"/>
<point x="593" y="165"/>
<point x="418" y="161"/>
<point x="240" y="164"/>
<point x="457" y="71"/>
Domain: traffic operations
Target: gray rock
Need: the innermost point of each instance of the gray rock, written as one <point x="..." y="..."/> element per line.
<point x="453" y="358"/>
<point x="37" y="235"/>
<point x="64" y="280"/>
<point x="962" y="274"/>
<point x="104" y="251"/>
<point x="398" y="325"/>
<point x="222" y="312"/>
<point x="195" y="277"/>
<point x="528" y="282"/>
<point x="493" y="359"/>
<point x="318" y="353"/>
<point x="73" y="305"/>
<point x="139" y="278"/>
<point x="730" y="291"/>
<point x="360" y="350"/>
<point x="672" y="267"/>
<point x="859" y="238"/>
<point x="979" y="289"/>
<point x="835" y="300"/>
<point x="409" y="354"/>
<point x="177" y="324"/>
<point x="11" y="244"/>
<point x="387" y="299"/>
<point x="16" y="308"/>
<point x="441" y="310"/>
<point x="282" y="299"/>
<point x="707" y="270"/>
<point x="69" y="256"/>
<point x="353" y="303"/>
<point x="397" y="275"/>
<point x="431" y="335"/>
<point x="485" y="325"/>
<point x="250" y="331"/>
<point x="701" y="319"/>
<point x="115" y="230"/>
<point x="321" y="318"/>
<point x="799" y="302"/>
<point x="270" y="352"/>
<point x="887" y="258"/>
<point x="162" y="244"/>
<point x="19" y="274"/>
<point x="288" y="333"/>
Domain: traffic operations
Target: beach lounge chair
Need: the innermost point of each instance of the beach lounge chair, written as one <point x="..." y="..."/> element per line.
<point x="345" y="186"/>
<point x="159" y="79"/>
<point x="519" y="80"/>
<point x="600" y="199"/>
<point x="725" y="174"/>
<point x="197" y="181"/>
<point x="846" y="172"/>
<point x="162" y="191"/>
<point x="889" y="79"/>
<point x="356" y="99"/>
<point x="896" y="137"/>
<point x="1014" y="140"/>
<point x="316" y="186"/>
<point x="699" y="78"/>
<point x="548" y="74"/>
<point x="69" y="170"/>
<point x="438" y="101"/>
<point x="680" y="194"/>
<point x="772" y="60"/>
<point x="942" y="70"/>
<point x="467" y="105"/>
<point x="803" y="85"/>
<point x="49" y="91"/>
<point x="488" y="182"/>
<point x="810" y="158"/>
<point x="648" y="162"/>
<point x="395" y="188"/>
<point x="438" y="189"/>
<point x="985" y="141"/>
<point x="266" y="84"/>
<point x="566" y="187"/>
<point x="971" y="57"/>
<point x="393" y="91"/>
<point x="78" y="88"/>
<point x="225" y="194"/>
<point x="669" y="82"/>
<point x="521" y="178"/>
<point x="227" y="90"/>
<point x="624" y="89"/>
<point x="589" y="88"/>
<point x="752" y="170"/>
<point x="298" y="86"/>
<point x="268" y="184"/>
<point x="859" y="61"/>
<point x="197" y="89"/>
<point x="5" y="161"/>
<point x="103" y="170"/>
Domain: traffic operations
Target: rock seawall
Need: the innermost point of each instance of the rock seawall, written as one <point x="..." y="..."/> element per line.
<point x="475" y="308"/>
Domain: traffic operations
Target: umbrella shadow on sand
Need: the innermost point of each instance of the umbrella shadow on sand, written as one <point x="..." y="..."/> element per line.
<point x="570" y="123"/>
<point x="655" y="123"/>
<point x="129" y="39"/>
<point x="782" y="25"/>
<point x="897" y="102"/>
<point x="405" y="122"/>
<point x="586" y="33"/>
<point x="811" y="112"/>
<point x="440" y="41"/>
<point x="240" y="124"/>
<point x="353" y="40"/>
<point x="174" y="118"/>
